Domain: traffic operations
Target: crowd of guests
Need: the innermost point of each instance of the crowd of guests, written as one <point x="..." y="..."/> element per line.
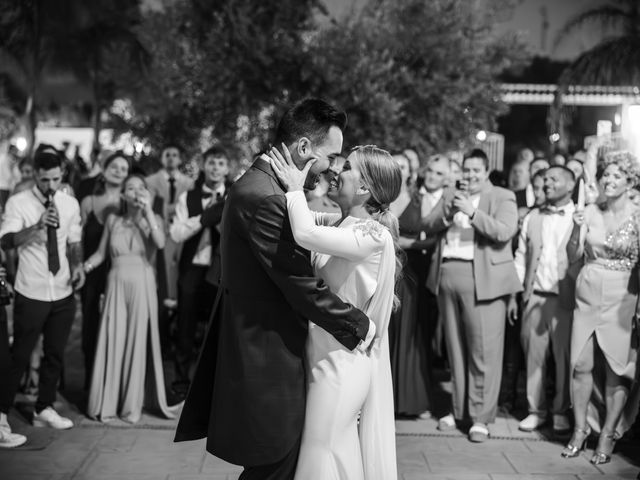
<point x="533" y="271"/>
<point x="141" y="251"/>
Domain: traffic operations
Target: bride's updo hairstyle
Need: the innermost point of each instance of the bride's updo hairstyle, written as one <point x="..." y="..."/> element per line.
<point x="382" y="176"/>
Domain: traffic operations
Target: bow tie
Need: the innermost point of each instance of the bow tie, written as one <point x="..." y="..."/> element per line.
<point x="550" y="210"/>
<point x="207" y="195"/>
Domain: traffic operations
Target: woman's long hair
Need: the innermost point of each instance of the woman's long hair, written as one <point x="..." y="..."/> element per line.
<point x="383" y="178"/>
<point x="100" y="187"/>
<point x="123" y="202"/>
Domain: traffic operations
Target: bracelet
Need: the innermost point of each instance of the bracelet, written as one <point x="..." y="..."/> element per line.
<point x="87" y="267"/>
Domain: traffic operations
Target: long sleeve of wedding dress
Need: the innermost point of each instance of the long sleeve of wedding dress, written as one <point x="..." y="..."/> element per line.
<point x="359" y="266"/>
<point x="351" y="244"/>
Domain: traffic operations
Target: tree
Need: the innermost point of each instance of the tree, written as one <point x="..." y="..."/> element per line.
<point x="613" y="61"/>
<point x="616" y="59"/>
<point x="26" y="39"/>
<point x="416" y="73"/>
<point x="408" y="72"/>
<point x="223" y="65"/>
<point x="97" y="41"/>
<point x="102" y="48"/>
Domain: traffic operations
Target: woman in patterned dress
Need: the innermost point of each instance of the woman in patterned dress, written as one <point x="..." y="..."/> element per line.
<point x="607" y="239"/>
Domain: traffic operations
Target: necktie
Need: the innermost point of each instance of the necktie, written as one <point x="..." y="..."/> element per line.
<point x="172" y="190"/>
<point x="52" y="243"/>
<point x="550" y="210"/>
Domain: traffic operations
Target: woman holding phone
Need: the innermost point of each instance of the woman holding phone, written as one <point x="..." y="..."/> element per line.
<point x="129" y="325"/>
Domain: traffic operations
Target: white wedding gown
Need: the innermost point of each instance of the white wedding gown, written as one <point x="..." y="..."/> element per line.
<point x="357" y="261"/>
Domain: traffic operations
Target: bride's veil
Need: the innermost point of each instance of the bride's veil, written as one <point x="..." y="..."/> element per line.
<point x="377" y="423"/>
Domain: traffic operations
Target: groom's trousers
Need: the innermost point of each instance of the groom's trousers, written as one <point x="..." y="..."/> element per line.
<point x="284" y="469"/>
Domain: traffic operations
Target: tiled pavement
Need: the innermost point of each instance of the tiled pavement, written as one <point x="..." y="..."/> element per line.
<point x="92" y="451"/>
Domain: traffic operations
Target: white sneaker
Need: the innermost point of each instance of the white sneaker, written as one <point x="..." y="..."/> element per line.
<point x="561" y="423"/>
<point x="447" y="423"/>
<point x="11" y="440"/>
<point x="50" y="418"/>
<point x="532" y="422"/>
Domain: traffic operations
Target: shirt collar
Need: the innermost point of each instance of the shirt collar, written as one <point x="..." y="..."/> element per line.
<point x="167" y="176"/>
<point x="435" y="193"/>
<point x="568" y="207"/>
<point x="39" y="195"/>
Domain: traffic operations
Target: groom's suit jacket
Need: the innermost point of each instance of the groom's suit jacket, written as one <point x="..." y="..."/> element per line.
<point x="248" y="393"/>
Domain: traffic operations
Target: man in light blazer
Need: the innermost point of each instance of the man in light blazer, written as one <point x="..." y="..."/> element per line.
<point x="473" y="275"/>
<point x="168" y="184"/>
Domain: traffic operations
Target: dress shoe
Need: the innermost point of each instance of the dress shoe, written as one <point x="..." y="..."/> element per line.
<point x="561" y="424"/>
<point x="532" y="422"/>
<point x="447" y="423"/>
<point x="50" y="418"/>
<point x="478" y="433"/>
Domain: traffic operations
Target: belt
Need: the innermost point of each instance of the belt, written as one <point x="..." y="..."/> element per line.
<point x="449" y="259"/>
<point x="540" y="293"/>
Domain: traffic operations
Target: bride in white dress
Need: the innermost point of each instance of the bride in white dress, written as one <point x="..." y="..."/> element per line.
<point x="358" y="262"/>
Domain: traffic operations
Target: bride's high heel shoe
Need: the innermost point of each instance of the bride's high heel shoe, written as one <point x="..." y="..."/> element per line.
<point x="603" y="455"/>
<point x="574" y="448"/>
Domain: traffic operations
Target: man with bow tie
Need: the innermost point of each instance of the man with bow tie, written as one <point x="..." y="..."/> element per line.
<point x="197" y="218"/>
<point x="548" y="298"/>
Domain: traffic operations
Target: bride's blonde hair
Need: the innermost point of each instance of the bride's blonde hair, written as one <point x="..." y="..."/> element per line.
<point x="382" y="176"/>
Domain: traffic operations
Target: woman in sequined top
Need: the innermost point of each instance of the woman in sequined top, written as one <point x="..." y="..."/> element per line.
<point x="606" y="239"/>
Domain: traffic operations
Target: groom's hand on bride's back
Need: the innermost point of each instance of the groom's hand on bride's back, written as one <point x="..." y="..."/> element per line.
<point x="366" y="344"/>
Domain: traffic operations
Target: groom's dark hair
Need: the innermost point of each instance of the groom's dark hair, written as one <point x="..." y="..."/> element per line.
<point x="312" y="118"/>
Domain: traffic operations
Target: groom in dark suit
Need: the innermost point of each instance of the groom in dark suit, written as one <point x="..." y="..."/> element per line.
<point x="248" y="392"/>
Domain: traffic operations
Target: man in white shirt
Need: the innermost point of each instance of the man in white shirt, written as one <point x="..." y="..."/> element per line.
<point x="195" y="225"/>
<point x="43" y="224"/>
<point x="548" y="298"/>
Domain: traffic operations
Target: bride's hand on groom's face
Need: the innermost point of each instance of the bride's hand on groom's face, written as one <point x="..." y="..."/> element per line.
<point x="285" y="168"/>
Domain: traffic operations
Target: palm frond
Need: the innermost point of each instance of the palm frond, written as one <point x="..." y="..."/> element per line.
<point x="604" y="15"/>
<point x="613" y="62"/>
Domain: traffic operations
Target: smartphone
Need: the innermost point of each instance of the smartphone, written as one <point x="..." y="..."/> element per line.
<point x="459" y="184"/>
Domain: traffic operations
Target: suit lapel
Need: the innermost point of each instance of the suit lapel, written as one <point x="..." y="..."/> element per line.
<point x="485" y="197"/>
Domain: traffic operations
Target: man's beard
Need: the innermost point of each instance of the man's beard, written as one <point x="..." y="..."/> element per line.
<point x="311" y="181"/>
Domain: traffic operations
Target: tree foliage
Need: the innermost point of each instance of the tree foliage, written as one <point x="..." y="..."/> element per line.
<point x="418" y="73"/>
<point x="223" y="65"/>
<point x="95" y="41"/>
<point x="408" y="72"/>
<point x="102" y="49"/>
<point x="616" y="59"/>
